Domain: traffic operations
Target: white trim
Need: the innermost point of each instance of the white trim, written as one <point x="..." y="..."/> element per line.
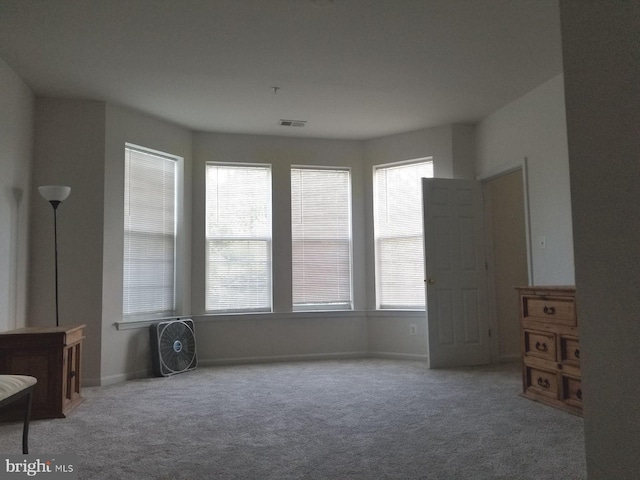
<point x="91" y="382"/>
<point x="500" y="170"/>
<point x="527" y="214"/>
<point x="279" y="316"/>
<point x="248" y="316"/>
<point x="374" y="203"/>
<point x="486" y="177"/>
<point x="504" y="169"/>
<point x="510" y="358"/>
<point x="178" y="207"/>
<point x="400" y="356"/>
<point x="123" y="377"/>
<point x="151" y="151"/>
<point x="403" y="163"/>
<point x="347" y="170"/>
<point x="282" y="358"/>
<point x="133" y="324"/>
<point x="398" y="313"/>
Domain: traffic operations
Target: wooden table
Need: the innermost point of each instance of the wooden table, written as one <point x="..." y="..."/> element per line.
<point x="53" y="356"/>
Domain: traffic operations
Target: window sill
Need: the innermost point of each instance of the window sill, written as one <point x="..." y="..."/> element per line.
<point x="212" y="317"/>
<point x="258" y="316"/>
<point x="143" y="323"/>
<point x="397" y="313"/>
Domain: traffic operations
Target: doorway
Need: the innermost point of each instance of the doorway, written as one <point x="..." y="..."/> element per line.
<point x="507" y="259"/>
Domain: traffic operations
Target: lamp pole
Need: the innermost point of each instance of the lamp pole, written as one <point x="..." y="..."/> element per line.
<point x="55" y="195"/>
<point x="54" y="204"/>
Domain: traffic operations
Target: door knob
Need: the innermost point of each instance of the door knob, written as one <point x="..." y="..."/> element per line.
<point x="431" y="281"/>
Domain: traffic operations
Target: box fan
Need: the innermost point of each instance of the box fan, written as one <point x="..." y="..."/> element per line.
<point x="173" y="347"/>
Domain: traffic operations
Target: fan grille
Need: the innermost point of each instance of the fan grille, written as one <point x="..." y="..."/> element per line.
<point x="175" y="342"/>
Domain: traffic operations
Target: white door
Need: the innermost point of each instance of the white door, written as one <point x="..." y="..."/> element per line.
<point x="456" y="285"/>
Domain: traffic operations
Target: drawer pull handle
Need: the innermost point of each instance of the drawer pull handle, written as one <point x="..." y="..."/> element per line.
<point x="579" y="394"/>
<point x="543" y="382"/>
<point x="541" y="347"/>
<point x="577" y="353"/>
<point x="549" y="310"/>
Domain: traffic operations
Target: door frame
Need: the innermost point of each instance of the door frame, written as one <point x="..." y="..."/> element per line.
<point x="486" y="177"/>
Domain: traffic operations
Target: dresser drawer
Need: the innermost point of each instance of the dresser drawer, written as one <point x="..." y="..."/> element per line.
<point x="572" y="391"/>
<point x="540" y="344"/>
<point x="541" y="381"/>
<point x="569" y="351"/>
<point x="555" y="310"/>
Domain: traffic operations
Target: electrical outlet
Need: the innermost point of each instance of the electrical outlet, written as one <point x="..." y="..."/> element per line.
<point x="413" y="329"/>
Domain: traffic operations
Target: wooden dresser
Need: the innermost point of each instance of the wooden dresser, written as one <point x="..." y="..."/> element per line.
<point x="550" y="346"/>
<point x="52" y="355"/>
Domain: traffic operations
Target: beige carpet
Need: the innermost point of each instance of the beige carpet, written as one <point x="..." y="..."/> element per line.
<point x="353" y="419"/>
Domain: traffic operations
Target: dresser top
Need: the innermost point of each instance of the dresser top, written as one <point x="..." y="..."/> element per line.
<point x="29" y="330"/>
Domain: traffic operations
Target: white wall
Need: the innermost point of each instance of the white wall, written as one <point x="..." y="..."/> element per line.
<point x="602" y="73"/>
<point x="534" y="127"/>
<point x="17" y="105"/>
<point x="69" y="150"/>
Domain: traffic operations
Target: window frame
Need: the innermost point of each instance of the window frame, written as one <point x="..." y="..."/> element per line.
<point x="179" y="162"/>
<point x="268" y="242"/>
<point x="320" y="307"/>
<point x="377" y="262"/>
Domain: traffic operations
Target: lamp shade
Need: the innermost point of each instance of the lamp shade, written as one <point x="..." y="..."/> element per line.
<point x="54" y="193"/>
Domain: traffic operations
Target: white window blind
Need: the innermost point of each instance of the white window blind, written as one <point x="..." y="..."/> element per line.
<point x="321" y="239"/>
<point x="398" y="235"/>
<point x="238" y="230"/>
<point x="149" y="233"/>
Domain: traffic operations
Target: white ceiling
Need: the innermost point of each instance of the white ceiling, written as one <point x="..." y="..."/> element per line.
<point x="353" y="69"/>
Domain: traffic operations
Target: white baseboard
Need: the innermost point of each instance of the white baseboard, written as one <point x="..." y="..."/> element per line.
<point x="399" y="356"/>
<point x="123" y="377"/>
<point x="282" y="358"/>
<point x="510" y="358"/>
<point x="91" y="382"/>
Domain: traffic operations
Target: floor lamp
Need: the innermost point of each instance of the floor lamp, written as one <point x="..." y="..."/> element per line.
<point x="55" y="195"/>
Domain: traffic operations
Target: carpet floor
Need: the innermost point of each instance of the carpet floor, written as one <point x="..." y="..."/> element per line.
<point x="351" y="419"/>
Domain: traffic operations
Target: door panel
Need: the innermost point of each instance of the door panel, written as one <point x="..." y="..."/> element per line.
<point x="456" y="289"/>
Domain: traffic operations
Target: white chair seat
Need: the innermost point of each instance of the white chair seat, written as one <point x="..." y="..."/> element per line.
<point x="12" y="384"/>
<point x="14" y="388"/>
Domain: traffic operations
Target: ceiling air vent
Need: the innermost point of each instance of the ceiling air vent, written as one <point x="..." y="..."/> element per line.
<point x="293" y="123"/>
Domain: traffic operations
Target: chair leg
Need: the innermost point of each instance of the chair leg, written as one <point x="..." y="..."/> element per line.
<point x="25" y="428"/>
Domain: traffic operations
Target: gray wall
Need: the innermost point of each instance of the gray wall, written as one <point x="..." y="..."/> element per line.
<point x="281" y="153"/>
<point x="281" y="334"/>
<point x="602" y="73"/>
<point x="17" y="105"/>
<point x="451" y="148"/>
<point x="69" y="150"/>
<point x="125" y="352"/>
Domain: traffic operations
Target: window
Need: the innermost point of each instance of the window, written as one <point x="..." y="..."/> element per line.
<point x="150" y="187"/>
<point x="321" y="239"/>
<point x="238" y="233"/>
<point x="398" y="234"/>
